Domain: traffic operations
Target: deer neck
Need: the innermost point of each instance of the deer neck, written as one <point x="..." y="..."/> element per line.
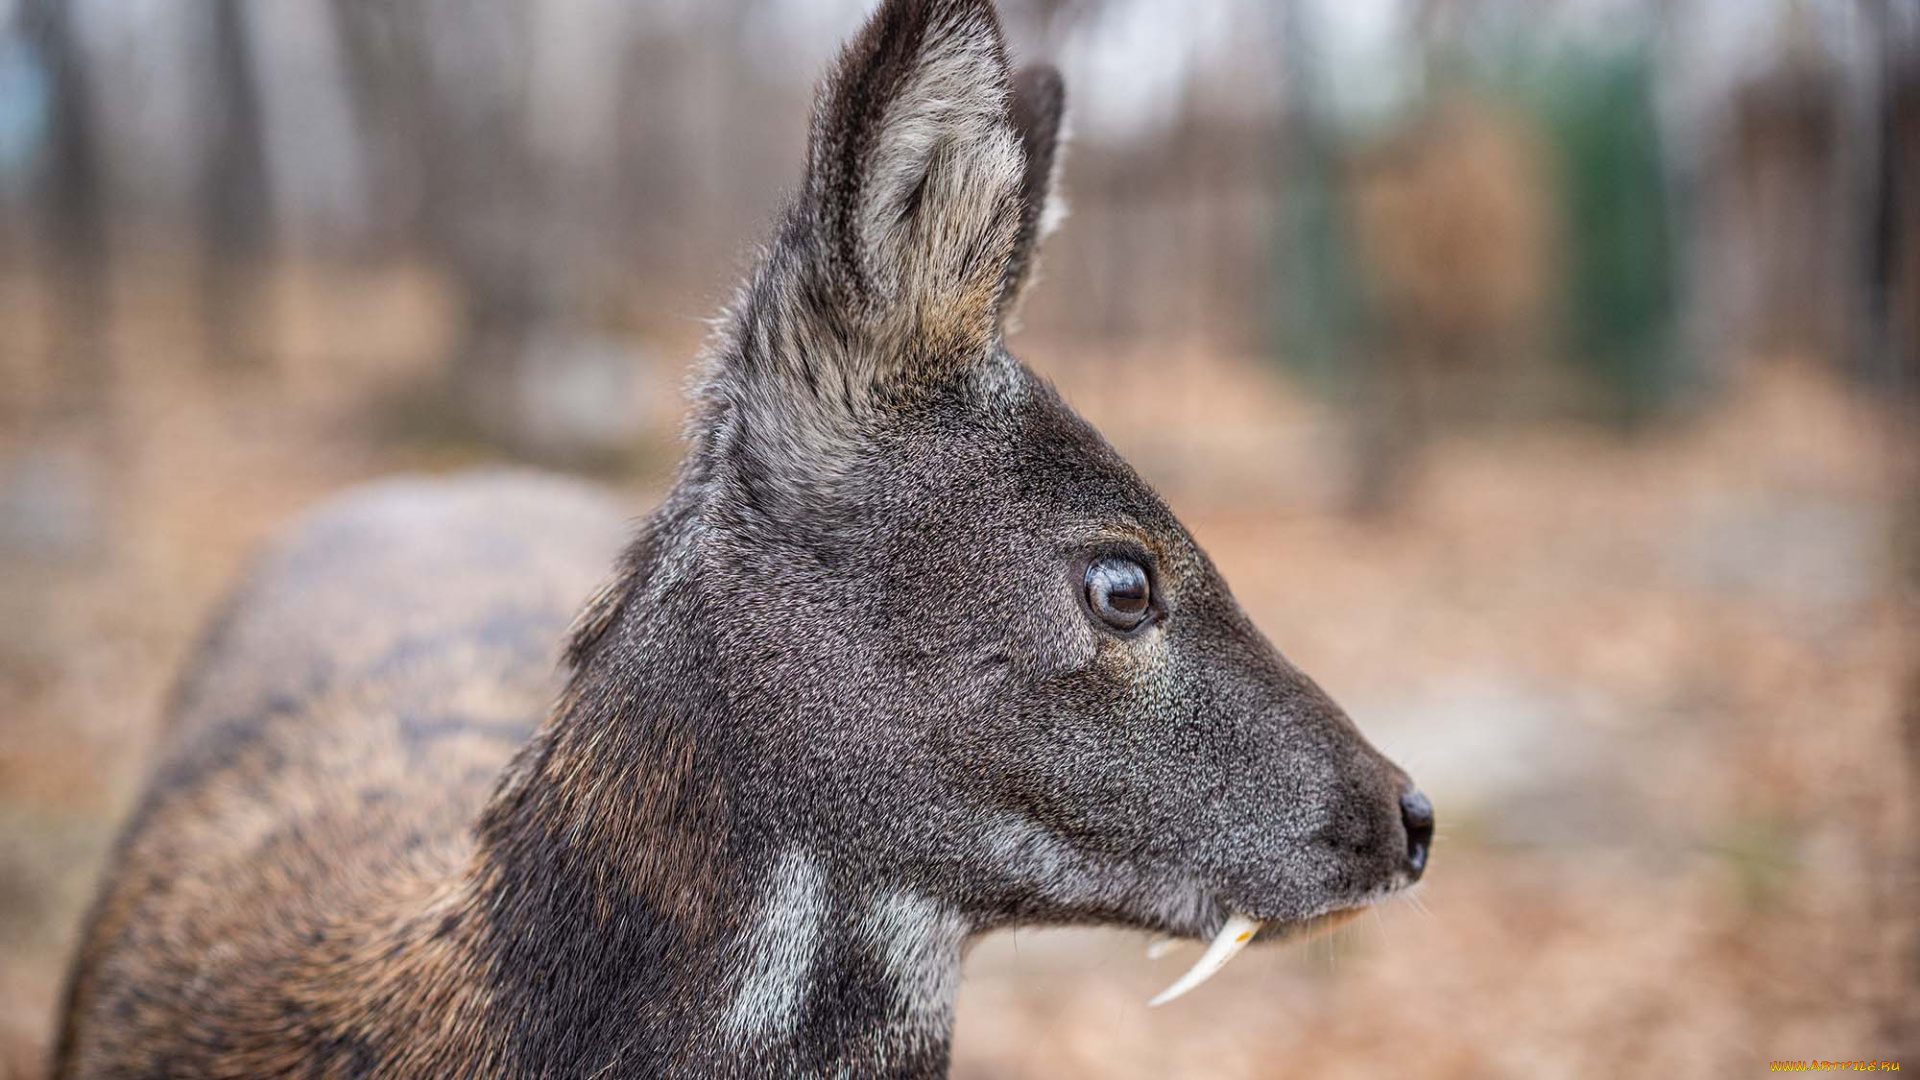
<point x="637" y="914"/>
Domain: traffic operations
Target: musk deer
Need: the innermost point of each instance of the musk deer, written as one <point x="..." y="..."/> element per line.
<point x="907" y="655"/>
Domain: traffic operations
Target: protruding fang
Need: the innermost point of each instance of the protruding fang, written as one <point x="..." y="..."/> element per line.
<point x="1160" y="947"/>
<point x="1226" y="945"/>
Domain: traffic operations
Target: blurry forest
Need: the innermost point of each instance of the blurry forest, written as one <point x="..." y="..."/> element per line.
<point x="1601" y="207"/>
<point x="1546" y="376"/>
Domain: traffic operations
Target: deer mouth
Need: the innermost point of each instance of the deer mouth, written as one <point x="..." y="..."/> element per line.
<point x="1236" y="934"/>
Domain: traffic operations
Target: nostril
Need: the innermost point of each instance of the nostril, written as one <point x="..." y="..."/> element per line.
<point x="1417" y="813"/>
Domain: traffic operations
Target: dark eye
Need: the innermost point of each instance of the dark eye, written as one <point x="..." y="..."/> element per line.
<point x="1118" y="591"/>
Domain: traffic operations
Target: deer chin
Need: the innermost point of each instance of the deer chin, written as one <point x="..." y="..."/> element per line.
<point x="1238" y="932"/>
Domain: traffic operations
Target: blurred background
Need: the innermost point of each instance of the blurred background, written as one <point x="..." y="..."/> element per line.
<point x="1543" y="375"/>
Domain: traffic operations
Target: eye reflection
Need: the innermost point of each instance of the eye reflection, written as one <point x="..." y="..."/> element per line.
<point x="1119" y="592"/>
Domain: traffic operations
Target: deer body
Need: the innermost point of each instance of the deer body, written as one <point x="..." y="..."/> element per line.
<point x="907" y="655"/>
<point x="392" y="938"/>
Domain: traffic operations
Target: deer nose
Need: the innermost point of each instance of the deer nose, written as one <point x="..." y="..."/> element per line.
<point x="1417" y="813"/>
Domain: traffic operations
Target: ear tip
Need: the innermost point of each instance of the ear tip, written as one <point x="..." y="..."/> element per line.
<point x="978" y="22"/>
<point x="968" y="10"/>
<point x="1040" y="93"/>
<point x="910" y="32"/>
<point x="1042" y="82"/>
<point x="1039" y="105"/>
<point x="981" y="15"/>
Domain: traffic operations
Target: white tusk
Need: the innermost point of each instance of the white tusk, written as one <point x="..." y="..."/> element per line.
<point x="1160" y="947"/>
<point x="1226" y="945"/>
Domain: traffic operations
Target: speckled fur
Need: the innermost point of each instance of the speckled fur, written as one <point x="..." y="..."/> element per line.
<point x="839" y="708"/>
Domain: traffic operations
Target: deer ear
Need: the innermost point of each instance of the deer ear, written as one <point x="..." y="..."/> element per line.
<point x="915" y="187"/>
<point x="1039" y="115"/>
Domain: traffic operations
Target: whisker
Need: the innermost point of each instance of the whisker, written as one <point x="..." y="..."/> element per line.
<point x="1385" y="934"/>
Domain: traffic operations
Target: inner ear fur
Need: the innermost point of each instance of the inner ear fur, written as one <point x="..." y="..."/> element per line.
<point x="928" y="187"/>
<point x="928" y="175"/>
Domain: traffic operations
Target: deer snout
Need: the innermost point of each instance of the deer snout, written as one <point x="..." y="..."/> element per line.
<point x="1416" y="813"/>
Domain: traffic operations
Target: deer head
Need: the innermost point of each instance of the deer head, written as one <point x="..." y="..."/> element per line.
<point x="971" y="658"/>
<point x="910" y="653"/>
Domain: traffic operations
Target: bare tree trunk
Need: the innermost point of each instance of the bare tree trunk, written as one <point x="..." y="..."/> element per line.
<point x="238" y="209"/>
<point x="441" y="93"/>
<point x="477" y="208"/>
<point x="1893" y="270"/>
<point x="480" y="217"/>
<point x="73" y="214"/>
<point x="383" y="62"/>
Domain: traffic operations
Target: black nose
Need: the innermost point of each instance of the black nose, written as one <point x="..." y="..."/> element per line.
<point x="1417" y="813"/>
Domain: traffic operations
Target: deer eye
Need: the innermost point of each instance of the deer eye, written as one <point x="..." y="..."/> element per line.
<point x="1119" y="592"/>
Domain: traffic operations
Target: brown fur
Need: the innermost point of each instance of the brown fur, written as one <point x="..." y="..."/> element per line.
<point x="331" y="833"/>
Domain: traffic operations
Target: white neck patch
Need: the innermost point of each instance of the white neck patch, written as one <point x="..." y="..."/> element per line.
<point x="919" y="941"/>
<point x="780" y="948"/>
<point x="916" y="941"/>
